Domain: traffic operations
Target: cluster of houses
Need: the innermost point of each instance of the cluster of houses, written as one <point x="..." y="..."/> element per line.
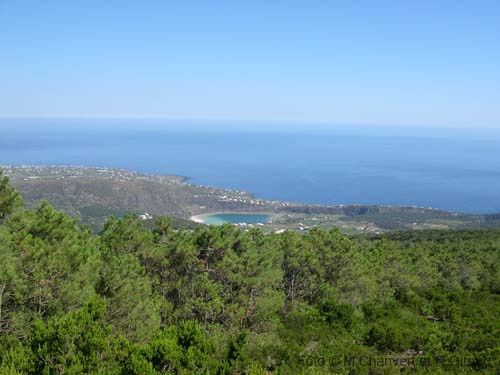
<point x="145" y="216"/>
<point x="302" y="226"/>
<point x="248" y="225"/>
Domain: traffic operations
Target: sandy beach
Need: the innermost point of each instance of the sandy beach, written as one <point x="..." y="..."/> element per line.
<point x="197" y="219"/>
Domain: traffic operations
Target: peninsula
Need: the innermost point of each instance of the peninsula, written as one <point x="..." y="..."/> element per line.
<point x="91" y="194"/>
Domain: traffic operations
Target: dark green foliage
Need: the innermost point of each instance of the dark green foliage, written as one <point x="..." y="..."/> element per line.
<point x="217" y="300"/>
<point x="9" y="197"/>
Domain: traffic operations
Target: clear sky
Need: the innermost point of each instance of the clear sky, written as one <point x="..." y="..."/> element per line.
<point x="383" y="62"/>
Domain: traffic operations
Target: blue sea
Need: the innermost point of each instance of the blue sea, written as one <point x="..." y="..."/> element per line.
<point x="445" y="168"/>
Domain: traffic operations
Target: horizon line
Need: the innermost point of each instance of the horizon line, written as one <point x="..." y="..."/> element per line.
<point x="245" y="120"/>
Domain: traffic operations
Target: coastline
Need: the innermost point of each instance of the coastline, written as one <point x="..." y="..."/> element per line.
<point x="47" y="170"/>
<point x="38" y="170"/>
<point x="198" y="218"/>
<point x="94" y="193"/>
<point x="201" y="218"/>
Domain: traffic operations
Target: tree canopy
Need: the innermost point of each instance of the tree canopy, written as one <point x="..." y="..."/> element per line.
<point x="219" y="300"/>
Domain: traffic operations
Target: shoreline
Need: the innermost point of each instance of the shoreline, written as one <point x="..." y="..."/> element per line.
<point x="200" y="218"/>
<point x="183" y="179"/>
<point x="103" y="189"/>
<point x="197" y="218"/>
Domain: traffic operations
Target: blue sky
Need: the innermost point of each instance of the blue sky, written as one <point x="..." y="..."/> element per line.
<point x="369" y="62"/>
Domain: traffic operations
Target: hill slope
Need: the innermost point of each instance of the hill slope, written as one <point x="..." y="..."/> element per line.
<point x="92" y="194"/>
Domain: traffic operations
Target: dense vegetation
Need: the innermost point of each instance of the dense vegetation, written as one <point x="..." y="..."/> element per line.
<point x="217" y="300"/>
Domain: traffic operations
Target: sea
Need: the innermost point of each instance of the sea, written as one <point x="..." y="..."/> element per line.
<point x="455" y="169"/>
